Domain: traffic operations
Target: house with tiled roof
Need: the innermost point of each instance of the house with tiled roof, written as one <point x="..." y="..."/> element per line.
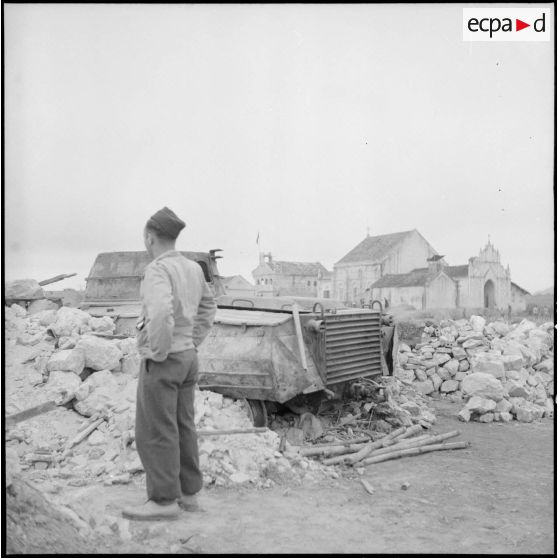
<point x="287" y="278"/>
<point x="373" y="258"/>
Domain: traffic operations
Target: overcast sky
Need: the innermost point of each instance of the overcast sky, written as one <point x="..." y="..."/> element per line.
<point x="305" y="123"/>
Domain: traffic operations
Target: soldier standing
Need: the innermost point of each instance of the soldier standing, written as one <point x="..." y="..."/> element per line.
<point x="178" y="309"/>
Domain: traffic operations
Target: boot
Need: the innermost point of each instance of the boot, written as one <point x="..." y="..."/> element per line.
<point x="190" y="503"/>
<point x="152" y="511"/>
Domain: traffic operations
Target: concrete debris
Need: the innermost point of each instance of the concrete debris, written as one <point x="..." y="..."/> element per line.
<point x="23" y="289"/>
<point x="102" y="325"/>
<point x="104" y="409"/>
<point x="100" y="354"/>
<point x="68" y="360"/>
<point x="70" y="321"/>
<point x="482" y="384"/>
<point x="61" y="383"/>
<point x="98" y="394"/>
<point x="42" y="305"/>
<point x="492" y="361"/>
<point x="44" y="317"/>
<point x="477" y="323"/>
<point x="480" y="405"/>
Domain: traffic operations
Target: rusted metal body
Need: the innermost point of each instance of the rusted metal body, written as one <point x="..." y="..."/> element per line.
<point x="266" y="349"/>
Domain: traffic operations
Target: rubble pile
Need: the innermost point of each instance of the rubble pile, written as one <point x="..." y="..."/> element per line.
<point x="67" y="355"/>
<point x="501" y="372"/>
<point x="392" y="405"/>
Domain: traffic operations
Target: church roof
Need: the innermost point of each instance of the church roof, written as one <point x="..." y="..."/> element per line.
<point x="297" y="268"/>
<point x="374" y="248"/>
<point x="418" y="277"/>
<point x="415" y="278"/>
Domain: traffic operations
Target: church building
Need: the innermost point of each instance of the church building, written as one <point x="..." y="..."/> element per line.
<point x="404" y="269"/>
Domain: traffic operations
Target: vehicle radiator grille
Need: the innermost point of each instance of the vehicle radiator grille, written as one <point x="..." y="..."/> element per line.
<point x="352" y="346"/>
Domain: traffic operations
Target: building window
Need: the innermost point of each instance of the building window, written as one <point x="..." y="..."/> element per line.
<point x="308" y="283"/>
<point x="265" y="281"/>
<point x="271" y="281"/>
<point x="315" y="283"/>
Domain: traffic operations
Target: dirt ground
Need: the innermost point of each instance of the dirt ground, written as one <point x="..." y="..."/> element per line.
<point x="495" y="497"/>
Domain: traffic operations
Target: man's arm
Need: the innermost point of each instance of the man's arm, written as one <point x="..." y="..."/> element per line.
<point x="206" y="314"/>
<point x="157" y="292"/>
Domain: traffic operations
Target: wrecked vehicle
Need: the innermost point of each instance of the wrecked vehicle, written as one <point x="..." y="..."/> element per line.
<point x="287" y="350"/>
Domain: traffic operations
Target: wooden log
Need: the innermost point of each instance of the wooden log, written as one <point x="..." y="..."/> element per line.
<point x="354" y="457"/>
<point x="83" y="434"/>
<point x="337" y="444"/>
<point x="338" y="453"/>
<point x="395" y="433"/>
<point x="108" y="335"/>
<point x="423" y="441"/>
<point x="56" y="279"/>
<point x="45" y="407"/>
<point x="415" y="429"/>
<point x="255" y="430"/>
<point x="415" y="451"/>
<point x="26" y="414"/>
<point x="389" y="440"/>
<point x="323" y="451"/>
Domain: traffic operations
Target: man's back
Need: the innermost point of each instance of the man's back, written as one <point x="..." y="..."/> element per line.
<point x="178" y="306"/>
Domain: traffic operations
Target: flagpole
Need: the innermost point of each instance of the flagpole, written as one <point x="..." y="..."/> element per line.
<point x="259" y="258"/>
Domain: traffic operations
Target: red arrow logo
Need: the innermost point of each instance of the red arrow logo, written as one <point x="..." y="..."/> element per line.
<point x="519" y="25"/>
